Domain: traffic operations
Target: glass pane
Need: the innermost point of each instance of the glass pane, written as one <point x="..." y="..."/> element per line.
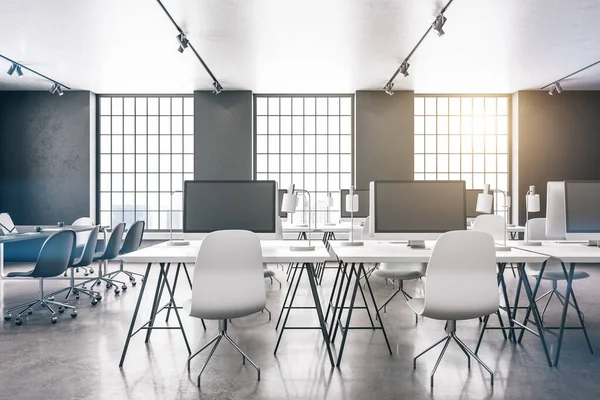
<point x="502" y="103"/>
<point x="466" y="163"/>
<point x="478" y="106"/>
<point x="345" y="125"/>
<point x="442" y="146"/>
<point x="442" y="106"/>
<point x="321" y="144"/>
<point x="321" y="126"/>
<point x="177" y="106"/>
<point x="454" y="126"/>
<point x="188" y="105"/>
<point x="261" y="106"/>
<point x="490" y="106"/>
<point x="153" y="106"/>
<point x="285" y="106"/>
<point x="430" y="125"/>
<point x="321" y="106"/>
<point x="420" y="143"/>
<point x="442" y="162"/>
<point x="285" y="125"/>
<point x="478" y="144"/>
<point x="309" y="106"/>
<point x="454" y="105"/>
<point x="419" y="163"/>
<point x="442" y="125"/>
<point x="454" y="143"/>
<point x="430" y="144"/>
<point x="430" y="106"/>
<point x="274" y="106"/>
<point x="297" y="106"/>
<point x="466" y="105"/>
<point x="419" y="106"/>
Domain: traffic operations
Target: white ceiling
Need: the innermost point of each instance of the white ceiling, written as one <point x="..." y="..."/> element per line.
<point x="303" y="46"/>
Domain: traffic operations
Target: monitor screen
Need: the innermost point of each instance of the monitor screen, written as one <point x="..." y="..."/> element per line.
<point x="280" y="193"/>
<point x="419" y="206"/>
<point x="555" y="211"/>
<point x="217" y="205"/>
<point x="582" y="209"/>
<point x="363" y="203"/>
<point x="471" y="198"/>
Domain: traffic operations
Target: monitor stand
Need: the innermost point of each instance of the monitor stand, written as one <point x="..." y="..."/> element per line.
<point x="416" y="244"/>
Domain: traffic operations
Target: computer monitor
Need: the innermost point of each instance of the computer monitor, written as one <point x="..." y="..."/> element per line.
<point x="582" y="210"/>
<point x="416" y="210"/>
<point x="471" y="199"/>
<point x="280" y="193"/>
<point x="363" y="203"/>
<point x="555" y="211"/>
<point x="218" y="205"/>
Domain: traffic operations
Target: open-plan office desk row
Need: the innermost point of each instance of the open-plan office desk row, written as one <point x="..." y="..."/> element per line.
<point x="352" y="260"/>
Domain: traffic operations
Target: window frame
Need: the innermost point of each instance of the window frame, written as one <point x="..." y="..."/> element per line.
<point x="99" y="153"/>
<point x="314" y="193"/>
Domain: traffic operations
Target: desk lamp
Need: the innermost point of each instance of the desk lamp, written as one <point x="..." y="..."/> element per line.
<point x="484" y="205"/>
<point x="288" y="205"/>
<point x="329" y="205"/>
<point x="352" y="207"/>
<point x="172" y="242"/>
<point x="532" y="204"/>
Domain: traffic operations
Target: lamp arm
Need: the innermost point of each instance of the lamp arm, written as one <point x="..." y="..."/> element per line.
<point x="171" y="213"/>
<point x="506" y="211"/>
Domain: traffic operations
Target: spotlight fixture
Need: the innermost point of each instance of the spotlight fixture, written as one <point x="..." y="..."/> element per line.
<point x="56" y="89"/>
<point x="217" y="88"/>
<point x="19" y="71"/>
<point x="438" y="24"/>
<point x="12" y="69"/>
<point x="388" y="88"/>
<point x="555" y="89"/>
<point x="183" y="42"/>
<point x="404" y="68"/>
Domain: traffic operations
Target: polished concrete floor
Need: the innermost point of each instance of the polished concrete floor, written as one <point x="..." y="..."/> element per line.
<point x="78" y="358"/>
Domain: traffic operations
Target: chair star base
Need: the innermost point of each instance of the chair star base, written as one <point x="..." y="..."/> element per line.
<point x="222" y="334"/>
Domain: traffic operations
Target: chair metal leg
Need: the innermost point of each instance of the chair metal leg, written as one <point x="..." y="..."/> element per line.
<point x="245" y="357"/>
<point x="427" y="349"/>
<point x="269" y="312"/>
<point x="212" y="351"/>
<point x="467" y="350"/>
<point x="202" y="349"/>
<point x="437" y="363"/>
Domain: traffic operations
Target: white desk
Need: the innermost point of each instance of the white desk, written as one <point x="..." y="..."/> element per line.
<point x="571" y="254"/>
<point x="375" y="251"/>
<point x="273" y="251"/>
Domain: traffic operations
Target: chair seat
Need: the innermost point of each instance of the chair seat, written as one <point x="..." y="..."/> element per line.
<point x="98" y="256"/>
<point x="222" y="310"/>
<point x="269" y="273"/>
<point x="417" y="305"/>
<point x="400" y="271"/>
<point x="19" y="273"/>
<point x="553" y="272"/>
<point x="76" y="263"/>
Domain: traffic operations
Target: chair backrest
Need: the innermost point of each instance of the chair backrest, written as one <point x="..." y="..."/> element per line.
<point x="83" y="221"/>
<point x="494" y="225"/>
<point x="535" y="229"/>
<point x="55" y="255"/>
<point x="461" y="278"/>
<point x="6" y="224"/>
<point x="115" y="242"/>
<point x="134" y="237"/>
<point x="365" y="230"/>
<point x="278" y="228"/>
<point x="228" y="276"/>
<point x="87" y="256"/>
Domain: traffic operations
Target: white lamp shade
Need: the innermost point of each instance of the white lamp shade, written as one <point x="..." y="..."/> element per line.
<point x="289" y="202"/>
<point x="351" y="203"/>
<point x="532" y="202"/>
<point x="484" y="203"/>
<point x="329" y="201"/>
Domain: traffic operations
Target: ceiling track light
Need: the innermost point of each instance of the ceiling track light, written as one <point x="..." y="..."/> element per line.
<point x="57" y="87"/>
<point x="555" y="86"/>
<point x="436" y="26"/>
<point x="388" y="88"/>
<point x="184" y="43"/>
<point x="217" y="88"/>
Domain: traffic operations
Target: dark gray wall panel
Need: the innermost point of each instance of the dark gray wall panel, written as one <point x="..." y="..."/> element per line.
<point x="223" y="135"/>
<point x="559" y="139"/>
<point x="45" y="156"/>
<point x="384" y="136"/>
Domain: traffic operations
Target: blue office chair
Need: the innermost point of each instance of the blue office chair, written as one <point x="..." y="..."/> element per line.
<point x="132" y="242"/>
<point x="111" y="251"/>
<point x="53" y="260"/>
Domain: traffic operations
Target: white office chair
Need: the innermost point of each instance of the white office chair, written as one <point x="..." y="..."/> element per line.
<point x="460" y="259"/>
<point x="535" y="229"/>
<point x="228" y="283"/>
<point x="81" y="241"/>
<point x="83" y="221"/>
<point x="6" y="224"/>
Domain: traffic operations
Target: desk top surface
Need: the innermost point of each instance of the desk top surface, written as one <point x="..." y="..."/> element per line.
<point x="374" y="251"/>
<point x="274" y="251"/>
<point x="337" y="228"/>
<point x="28" y="233"/>
<point x="572" y="252"/>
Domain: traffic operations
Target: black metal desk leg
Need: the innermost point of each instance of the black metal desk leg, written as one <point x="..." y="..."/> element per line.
<point x="349" y="317"/>
<point x="563" y="318"/>
<point x="157" y="296"/>
<point x="287" y="314"/>
<point x="535" y="311"/>
<point x="333" y="291"/>
<point x="362" y="269"/>
<point x="172" y="301"/>
<point x="135" y="313"/>
<point x="287" y="295"/>
<point x="174" y="287"/>
<point x="313" y="286"/>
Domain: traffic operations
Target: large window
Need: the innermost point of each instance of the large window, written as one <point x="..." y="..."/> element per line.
<point x="463" y="138"/>
<point x="146" y="152"/>
<point x="306" y="140"/>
